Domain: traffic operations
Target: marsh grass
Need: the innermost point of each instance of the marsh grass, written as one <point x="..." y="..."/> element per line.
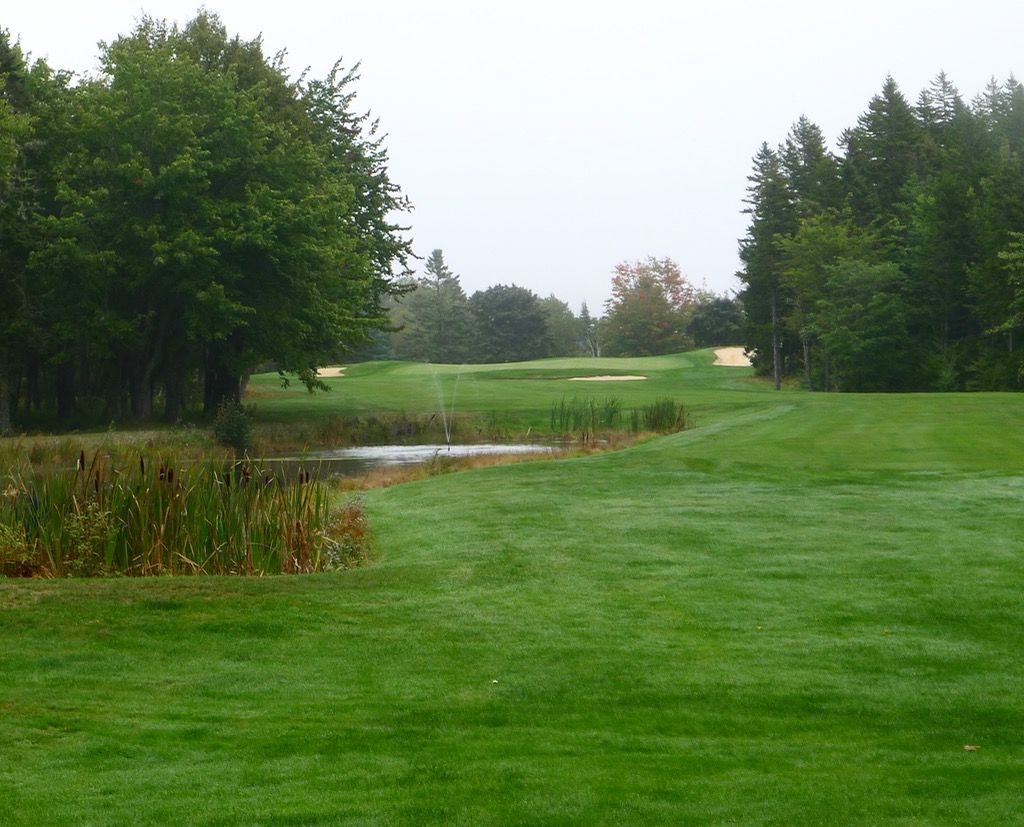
<point x="121" y="515"/>
<point x="663" y="416"/>
<point x="584" y="417"/>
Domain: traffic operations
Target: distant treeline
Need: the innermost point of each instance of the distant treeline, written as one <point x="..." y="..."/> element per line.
<point x="897" y="264"/>
<point x="653" y="310"/>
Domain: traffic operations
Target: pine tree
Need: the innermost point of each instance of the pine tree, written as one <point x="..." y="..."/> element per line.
<point x="437" y="323"/>
<point x="812" y="171"/>
<point x="590" y="337"/>
<point x="884" y="154"/>
<point x="772" y="208"/>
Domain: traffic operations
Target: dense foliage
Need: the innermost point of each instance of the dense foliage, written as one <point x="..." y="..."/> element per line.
<point x="895" y="265"/>
<point x="186" y="214"/>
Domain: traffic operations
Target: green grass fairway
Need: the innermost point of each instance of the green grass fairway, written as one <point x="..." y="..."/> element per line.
<point x="525" y="392"/>
<point x="798" y="613"/>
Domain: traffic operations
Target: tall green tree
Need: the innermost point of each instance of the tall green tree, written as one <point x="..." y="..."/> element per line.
<point x="562" y="326"/>
<point x="811" y="169"/>
<point x="511" y="324"/>
<point x="937" y="108"/>
<point x="884" y="153"/>
<point x="15" y="128"/>
<point x="808" y="255"/>
<point x="590" y="332"/>
<point x="1012" y="260"/>
<point x="435" y="322"/>
<point x="238" y="217"/>
<point x="998" y="212"/>
<point x="944" y="238"/>
<point x="34" y="104"/>
<point x="865" y="326"/>
<point x="773" y="217"/>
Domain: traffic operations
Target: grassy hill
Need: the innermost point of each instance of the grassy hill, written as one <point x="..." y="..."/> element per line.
<point x="799" y="612"/>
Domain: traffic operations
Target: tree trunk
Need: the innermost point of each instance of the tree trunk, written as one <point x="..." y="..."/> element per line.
<point x="142" y="395"/>
<point x="220" y="385"/>
<point x="5" y="396"/>
<point x="807" y="363"/>
<point x="776" y="344"/>
<point x="144" y="366"/>
<point x="65" y="390"/>
<point x="174" y="395"/>
<point x="33" y="398"/>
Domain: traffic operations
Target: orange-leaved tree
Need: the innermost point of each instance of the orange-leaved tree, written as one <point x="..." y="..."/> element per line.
<point x="650" y="305"/>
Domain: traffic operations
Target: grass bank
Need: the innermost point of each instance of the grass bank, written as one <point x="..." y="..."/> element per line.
<point x="799" y="612"/>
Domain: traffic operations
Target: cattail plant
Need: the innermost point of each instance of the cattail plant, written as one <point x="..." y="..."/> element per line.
<point x="122" y="515"/>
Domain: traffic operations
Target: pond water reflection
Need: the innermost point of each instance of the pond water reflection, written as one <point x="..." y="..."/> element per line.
<point x="351" y="462"/>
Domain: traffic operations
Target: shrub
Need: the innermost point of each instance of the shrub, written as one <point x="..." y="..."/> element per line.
<point x="89" y="533"/>
<point x="232" y="426"/>
<point x="345" y="538"/>
<point x="16" y="559"/>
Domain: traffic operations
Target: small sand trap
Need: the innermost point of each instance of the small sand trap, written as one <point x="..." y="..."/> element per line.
<point x="731" y="357"/>
<point x="605" y="378"/>
<point x="328" y="373"/>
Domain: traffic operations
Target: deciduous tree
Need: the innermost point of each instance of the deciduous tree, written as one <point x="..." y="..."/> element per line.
<point x="649" y="308"/>
<point x="511" y="324"/>
<point x="239" y="217"/>
<point x="716" y="320"/>
<point x="563" y="327"/>
<point x="864" y="317"/>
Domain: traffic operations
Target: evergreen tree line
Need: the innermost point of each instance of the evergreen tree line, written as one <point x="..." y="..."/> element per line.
<point x="898" y="263"/>
<point x="653" y="310"/>
<point x="184" y="215"/>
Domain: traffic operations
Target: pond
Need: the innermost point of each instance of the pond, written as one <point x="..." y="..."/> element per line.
<point x="352" y="462"/>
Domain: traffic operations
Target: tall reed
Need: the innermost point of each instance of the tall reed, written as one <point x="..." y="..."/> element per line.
<point x="585" y="417"/>
<point x="124" y="515"/>
<point x="664" y="415"/>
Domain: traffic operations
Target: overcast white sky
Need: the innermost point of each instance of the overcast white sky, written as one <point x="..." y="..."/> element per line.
<point x="542" y="143"/>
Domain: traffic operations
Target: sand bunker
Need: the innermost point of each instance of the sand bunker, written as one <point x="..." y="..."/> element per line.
<point x="329" y="373"/>
<point x="605" y="378"/>
<point x="731" y="357"/>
